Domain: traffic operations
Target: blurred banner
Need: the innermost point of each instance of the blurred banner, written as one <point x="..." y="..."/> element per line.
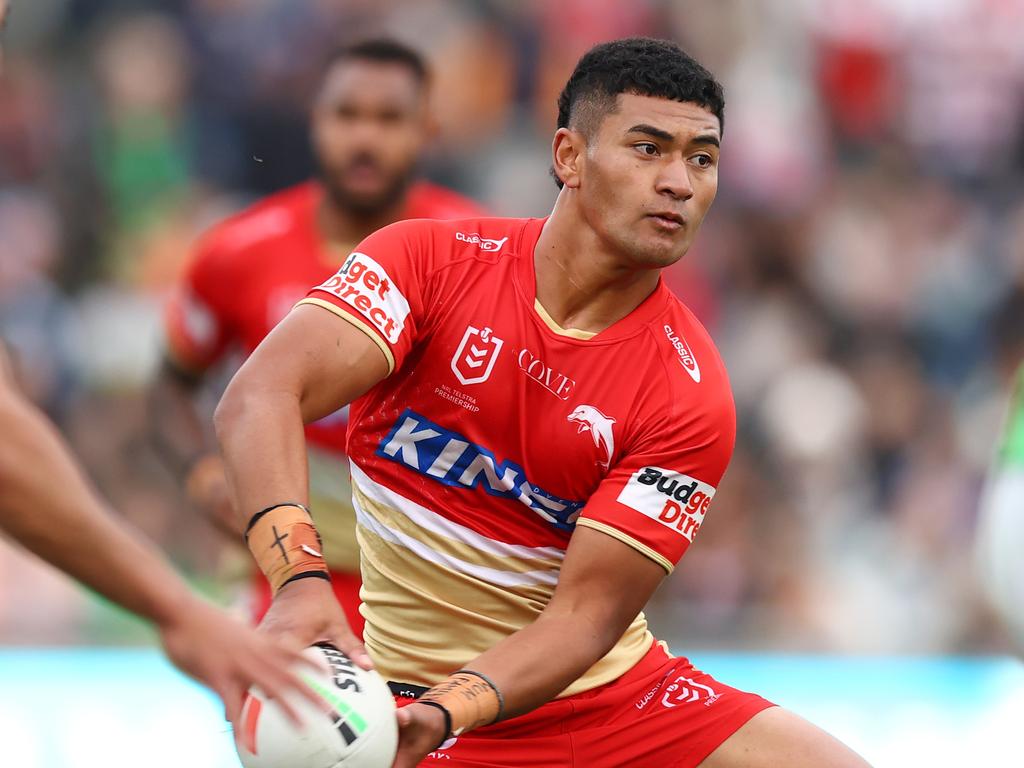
<point x="125" y="709"/>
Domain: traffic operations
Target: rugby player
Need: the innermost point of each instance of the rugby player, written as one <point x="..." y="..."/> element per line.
<point x="538" y="427"/>
<point x="370" y="124"/>
<point x="47" y="505"/>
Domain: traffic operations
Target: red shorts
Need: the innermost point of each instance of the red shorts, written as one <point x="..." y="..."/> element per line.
<point x="662" y="713"/>
<point x="346" y="589"/>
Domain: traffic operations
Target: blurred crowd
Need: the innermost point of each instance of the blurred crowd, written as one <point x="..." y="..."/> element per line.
<point x="862" y="270"/>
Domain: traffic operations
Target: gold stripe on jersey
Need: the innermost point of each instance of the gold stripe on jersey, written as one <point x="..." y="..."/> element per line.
<point x="330" y="502"/>
<point x="364" y="327"/>
<point x="625" y="538"/>
<point x="572" y="333"/>
<point x="447" y="543"/>
<point x="437" y="594"/>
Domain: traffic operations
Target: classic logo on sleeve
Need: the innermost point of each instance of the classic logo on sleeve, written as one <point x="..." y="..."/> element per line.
<point x="483" y="243"/>
<point x="363" y="284"/>
<point x="686" y="358"/>
<point x="675" y="500"/>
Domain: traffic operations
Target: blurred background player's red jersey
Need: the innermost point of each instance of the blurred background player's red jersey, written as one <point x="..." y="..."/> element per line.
<point x="246" y="275"/>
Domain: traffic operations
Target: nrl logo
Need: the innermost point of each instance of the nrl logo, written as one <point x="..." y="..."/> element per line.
<point x="474" y="359"/>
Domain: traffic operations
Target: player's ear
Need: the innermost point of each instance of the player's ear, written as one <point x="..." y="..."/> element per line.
<point x="567" y="150"/>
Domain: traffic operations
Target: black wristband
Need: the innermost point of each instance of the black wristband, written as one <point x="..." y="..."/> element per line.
<point x="309" y="575"/>
<point x="256" y="518"/>
<point x="447" y="720"/>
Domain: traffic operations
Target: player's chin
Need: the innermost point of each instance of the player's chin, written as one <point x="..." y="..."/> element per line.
<point x="363" y="199"/>
<point x="660" y="252"/>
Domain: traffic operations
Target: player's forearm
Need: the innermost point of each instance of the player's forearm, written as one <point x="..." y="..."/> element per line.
<point x="535" y="664"/>
<point x="48" y="506"/>
<point x="260" y="429"/>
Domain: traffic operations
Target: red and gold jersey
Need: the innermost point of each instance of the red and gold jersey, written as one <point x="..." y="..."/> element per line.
<point x="247" y="273"/>
<point x="498" y="433"/>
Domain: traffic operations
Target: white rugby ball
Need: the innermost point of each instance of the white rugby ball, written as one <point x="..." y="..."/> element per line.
<point x="356" y="728"/>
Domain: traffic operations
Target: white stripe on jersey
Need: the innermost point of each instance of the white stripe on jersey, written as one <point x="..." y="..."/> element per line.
<point x="434" y="523"/>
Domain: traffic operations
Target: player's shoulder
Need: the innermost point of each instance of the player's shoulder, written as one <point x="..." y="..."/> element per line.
<point x="692" y="368"/>
<point x="427" y="200"/>
<point x="262" y="223"/>
<point x="486" y="238"/>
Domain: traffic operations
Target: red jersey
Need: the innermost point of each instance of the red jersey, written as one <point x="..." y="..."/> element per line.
<point x="246" y="275"/>
<point x="498" y="433"/>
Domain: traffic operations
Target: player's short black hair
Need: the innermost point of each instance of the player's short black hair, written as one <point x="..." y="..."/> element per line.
<point x="639" y="65"/>
<point x="381" y="50"/>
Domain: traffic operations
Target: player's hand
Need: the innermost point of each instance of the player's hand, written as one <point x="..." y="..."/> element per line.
<point x="420" y="730"/>
<point x="307" y="612"/>
<point x="206" y="486"/>
<point x="224" y="654"/>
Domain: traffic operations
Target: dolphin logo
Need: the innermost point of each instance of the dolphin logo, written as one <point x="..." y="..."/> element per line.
<point x="590" y="419"/>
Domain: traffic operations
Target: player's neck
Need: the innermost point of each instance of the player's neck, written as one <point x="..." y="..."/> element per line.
<point x="342" y="227"/>
<point x="581" y="284"/>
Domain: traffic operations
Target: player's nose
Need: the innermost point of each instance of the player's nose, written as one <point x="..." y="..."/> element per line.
<point x="674" y="180"/>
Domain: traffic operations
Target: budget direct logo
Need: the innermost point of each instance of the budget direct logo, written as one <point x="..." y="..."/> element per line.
<point x="364" y="284"/>
<point x="675" y="500"/>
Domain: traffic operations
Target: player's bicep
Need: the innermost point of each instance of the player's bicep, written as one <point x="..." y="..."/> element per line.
<point x="604" y="583"/>
<point x="324" y="360"/>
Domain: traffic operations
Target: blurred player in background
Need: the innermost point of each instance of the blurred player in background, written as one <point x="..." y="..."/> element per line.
<point x="370" y="126"/>
<point x="46" y="504"/>
<point x="538" y="429"/>
<point x="1001" y="525"/>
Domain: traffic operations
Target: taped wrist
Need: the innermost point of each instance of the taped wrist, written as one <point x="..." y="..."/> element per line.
<point x="469" y="698"/>
<point x="286" y="545"/>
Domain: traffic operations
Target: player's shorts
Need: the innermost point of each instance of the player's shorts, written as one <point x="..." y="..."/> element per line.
<point x="346" y="589"/>
<point x="662" y="713"/>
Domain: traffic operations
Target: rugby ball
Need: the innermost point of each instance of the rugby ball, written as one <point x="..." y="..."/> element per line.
<point x="355" y="728"/>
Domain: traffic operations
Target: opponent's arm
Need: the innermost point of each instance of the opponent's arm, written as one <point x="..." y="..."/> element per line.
<point x="602" y="586"/>
<point x="311" y="364"/>
<point x="48" y="506"/>
<point x="184" y="440"/>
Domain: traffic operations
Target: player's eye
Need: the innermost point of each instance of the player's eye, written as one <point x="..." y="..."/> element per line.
<point x="704" y="161"/>
<point x="391" y="117"/>
<point x="647" y="148"/>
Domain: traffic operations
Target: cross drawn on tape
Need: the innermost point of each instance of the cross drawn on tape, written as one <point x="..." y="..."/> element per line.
<point x="279" y="542"/>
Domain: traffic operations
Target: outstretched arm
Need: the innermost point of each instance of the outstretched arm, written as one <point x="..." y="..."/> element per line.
<point x="47" y="505"/>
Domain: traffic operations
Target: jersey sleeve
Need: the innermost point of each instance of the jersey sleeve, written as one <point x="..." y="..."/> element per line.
<point x="197" y="315"/>
<point x="380" y="288"/>
<point x="656" y="497"/>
